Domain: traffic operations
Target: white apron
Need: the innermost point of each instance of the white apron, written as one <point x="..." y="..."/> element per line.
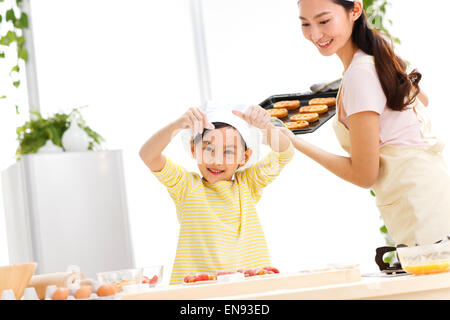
<point x="413" y="186"/>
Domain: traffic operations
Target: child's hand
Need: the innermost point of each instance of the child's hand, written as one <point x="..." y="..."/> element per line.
<point x="196" y="120"/>
<point x="255" y="116"/>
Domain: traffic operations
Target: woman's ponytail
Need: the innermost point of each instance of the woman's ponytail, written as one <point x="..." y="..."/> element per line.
<point x="399" y="87"/>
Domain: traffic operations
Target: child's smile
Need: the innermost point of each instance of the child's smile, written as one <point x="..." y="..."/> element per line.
<point x="215" y="171"/>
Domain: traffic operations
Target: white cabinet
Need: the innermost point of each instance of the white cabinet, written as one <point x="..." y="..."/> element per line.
<point x="66" y="209"/>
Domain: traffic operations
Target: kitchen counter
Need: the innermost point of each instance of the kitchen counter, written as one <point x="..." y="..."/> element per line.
<point x="408" y="287"/>
<point x="335" y="285"/>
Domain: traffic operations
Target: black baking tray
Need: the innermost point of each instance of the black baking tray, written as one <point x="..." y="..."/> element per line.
<point x="304" y="101"/>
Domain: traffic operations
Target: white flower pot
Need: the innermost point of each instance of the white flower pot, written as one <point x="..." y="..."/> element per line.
<point x="75" y="138"/>
<point x="49" y="147"/>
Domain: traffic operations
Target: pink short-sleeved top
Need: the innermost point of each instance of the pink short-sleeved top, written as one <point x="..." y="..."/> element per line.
<point x="361" y="91"/>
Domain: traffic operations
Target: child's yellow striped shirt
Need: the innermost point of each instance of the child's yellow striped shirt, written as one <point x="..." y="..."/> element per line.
<point x="219" y="226"/>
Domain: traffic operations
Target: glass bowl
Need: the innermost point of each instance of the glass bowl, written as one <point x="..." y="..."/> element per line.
<point x="152" y="275"/>
<point x="428" y="259"/>
<point x="132" y="278"/>
<point x="121" y="278"/>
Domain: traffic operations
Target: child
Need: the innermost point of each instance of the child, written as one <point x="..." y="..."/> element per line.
<point x="219" y="226"/>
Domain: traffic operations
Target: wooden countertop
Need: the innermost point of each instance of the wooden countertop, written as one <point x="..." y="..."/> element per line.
<point x="340" y="284"/>
<point x="408" y="287"/>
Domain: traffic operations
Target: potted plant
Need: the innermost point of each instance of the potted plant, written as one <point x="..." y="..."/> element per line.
<point x="37" y="131"/>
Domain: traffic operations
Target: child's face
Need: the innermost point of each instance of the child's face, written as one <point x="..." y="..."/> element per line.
<point x="220" y="153"/>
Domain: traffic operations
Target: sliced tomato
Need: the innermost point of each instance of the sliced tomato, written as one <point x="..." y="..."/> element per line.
<point x="261" y="272"/>
<point x="250" y="272"/>
<point x="145" y="279"/>
<point x="202" y="277"/>
<point x="220" y="273"/>
<point x="153" y="280"/>
<point x="273" y="269"/>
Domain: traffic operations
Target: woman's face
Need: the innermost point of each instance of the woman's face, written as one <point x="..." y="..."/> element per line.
<point x="326" y="24"/>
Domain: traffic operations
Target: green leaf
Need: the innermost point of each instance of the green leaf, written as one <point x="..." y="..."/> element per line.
<point x="23" y="54"/>
<point x="22" y="22"/>
<point x="2" y="97"/>
<point x="10" y="16"/>
<point x="12" y="36"/>
<point x="1" y="18"/>
<point x="2" y="54"/>
<point x="16" y="83"/>
<point x="8" y="38"/>
<point x="17" y="109"/>
<point x="383" y="229"/>
<point x="372" y="193"/>
<point x="20" y="41"/>
<point x="15" y="69"/>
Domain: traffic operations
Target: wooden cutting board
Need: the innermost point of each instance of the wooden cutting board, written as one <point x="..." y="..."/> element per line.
<point x="250" y="285"/>
<point x="16" y="277"/>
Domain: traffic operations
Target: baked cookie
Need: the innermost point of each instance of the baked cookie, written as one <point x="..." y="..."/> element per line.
<point x="322" y="108"/>
<point x="278" y="113"/>
<point x="310" y="117"/>
<point x="296" y="125"/>
<point x="289" y="105"/>
<point x="327" y="101"/>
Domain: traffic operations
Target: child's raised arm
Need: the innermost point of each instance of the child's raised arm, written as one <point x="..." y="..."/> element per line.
<point x="258" y="117"/>
<point x="151" y="151"/>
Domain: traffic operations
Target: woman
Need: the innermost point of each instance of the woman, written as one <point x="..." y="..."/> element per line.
<point x="380" y="123"/>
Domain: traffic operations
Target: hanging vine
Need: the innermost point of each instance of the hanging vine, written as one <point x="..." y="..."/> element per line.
<point x="13" y="22"/>
<point x="376" y="14"/>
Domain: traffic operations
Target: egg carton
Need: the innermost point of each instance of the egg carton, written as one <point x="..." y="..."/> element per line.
<point x="70" y="292"/>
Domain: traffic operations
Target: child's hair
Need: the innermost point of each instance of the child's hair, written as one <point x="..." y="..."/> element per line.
<point x="218" y="125"/>
<point x="399" y="87"/>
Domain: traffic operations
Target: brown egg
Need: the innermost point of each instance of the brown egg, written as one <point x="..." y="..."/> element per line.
<point x="107" y="290"/>
<point x="60" y="294"/>
<point x="83" y="292"/>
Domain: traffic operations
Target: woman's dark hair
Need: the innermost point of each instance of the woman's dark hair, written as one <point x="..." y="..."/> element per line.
<point x="218" y="125"/>
<point x="399" y="87"/>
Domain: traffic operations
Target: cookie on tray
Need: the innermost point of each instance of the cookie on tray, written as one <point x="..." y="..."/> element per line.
<point x="310" y="117"/>
<point x="278" y="113"/>
<point x="327" y="101"/>
<point x="322" y="108"/>
<point x="297" y="125"/>
<point x="288" y="104"/>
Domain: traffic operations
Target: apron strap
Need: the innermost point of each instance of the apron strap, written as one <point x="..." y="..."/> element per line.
<point x="436" y="145"/>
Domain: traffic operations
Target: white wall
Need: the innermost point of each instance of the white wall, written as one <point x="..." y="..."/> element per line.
<point x="133" y="63"/>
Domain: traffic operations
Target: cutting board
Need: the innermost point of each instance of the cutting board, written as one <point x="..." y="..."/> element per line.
<point x="250" y="285"/>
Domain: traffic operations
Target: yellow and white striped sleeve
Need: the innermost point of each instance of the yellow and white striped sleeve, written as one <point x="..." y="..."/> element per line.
<point x="266" y="170"/>
<point x="177" y="180"/>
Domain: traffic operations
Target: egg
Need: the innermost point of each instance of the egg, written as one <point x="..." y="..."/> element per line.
<point x="61" y="294"/>
<point x="83" y="292"/>
<point x="106" y="290"/>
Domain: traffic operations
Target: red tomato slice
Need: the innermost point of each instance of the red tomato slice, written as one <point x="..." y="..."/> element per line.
<point x="153" y="280"/>
<point x="202" y="277"/>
